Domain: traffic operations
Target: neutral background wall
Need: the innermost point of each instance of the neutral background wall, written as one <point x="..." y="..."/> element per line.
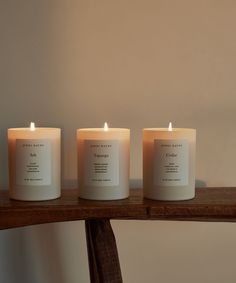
<point x="135" y="64"/>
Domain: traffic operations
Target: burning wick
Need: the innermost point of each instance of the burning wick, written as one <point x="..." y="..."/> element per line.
<point x="105" y="127"/>
<point x="32" y="126"/>
<point x="170" y="127"/>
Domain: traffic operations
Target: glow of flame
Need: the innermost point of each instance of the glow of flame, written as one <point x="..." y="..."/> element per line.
<point x="106" y="127"/>
<point x="170" y="127"/>
<point x="32" y="126"/>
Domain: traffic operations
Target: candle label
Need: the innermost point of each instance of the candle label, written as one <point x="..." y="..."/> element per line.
<point x="101" y="166"/>
<point x="171" y="163"/>
<point x="33" y="162"/>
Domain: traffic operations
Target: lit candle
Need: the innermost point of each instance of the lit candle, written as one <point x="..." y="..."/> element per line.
<point x="34" y="163"/>
<point x="103" y="163"/>
<point x="169" y="163"/>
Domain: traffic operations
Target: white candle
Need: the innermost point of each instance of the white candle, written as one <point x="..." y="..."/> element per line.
<point x="169" y="163"/>
<point x="103" y="163"/>
<point x="34" y="163"/>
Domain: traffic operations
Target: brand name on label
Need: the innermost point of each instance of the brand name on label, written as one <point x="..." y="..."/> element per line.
<point x="100" y="145"/>
<point x="172" y="145"/>
<point x="32" y="145"/>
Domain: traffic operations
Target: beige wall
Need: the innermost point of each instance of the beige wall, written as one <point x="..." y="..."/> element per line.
<point x="136" y="64"/>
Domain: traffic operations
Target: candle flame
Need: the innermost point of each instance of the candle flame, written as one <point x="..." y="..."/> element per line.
<point x="106" y="127"/>
<point x="32" y="126"/>
<point x="170" y="127"/>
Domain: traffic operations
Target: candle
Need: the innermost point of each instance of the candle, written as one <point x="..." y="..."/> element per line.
<point x="169" y="163"/>
<point x="103" y="163"/>
<point x="34" y="163"/>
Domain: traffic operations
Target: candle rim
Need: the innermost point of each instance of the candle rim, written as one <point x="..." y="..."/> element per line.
<point x="167" y="130"/>
<point x="102" y="129"/>
<point x="36" y="128"/>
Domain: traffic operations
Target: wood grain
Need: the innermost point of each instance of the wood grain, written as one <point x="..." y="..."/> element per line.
<point x="104" y="265"/>
<point x="210" y="204"/>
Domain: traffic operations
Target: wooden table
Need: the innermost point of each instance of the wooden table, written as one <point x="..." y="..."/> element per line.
<point x="210" y="204"/>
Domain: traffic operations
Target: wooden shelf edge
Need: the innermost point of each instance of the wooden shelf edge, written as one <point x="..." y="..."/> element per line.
<point x="210" y="204"/>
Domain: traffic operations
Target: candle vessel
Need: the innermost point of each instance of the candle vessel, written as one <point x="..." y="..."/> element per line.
<point x="34" y="163"/>
<point x="169" y="163"/>
<point x="103" y="163"/>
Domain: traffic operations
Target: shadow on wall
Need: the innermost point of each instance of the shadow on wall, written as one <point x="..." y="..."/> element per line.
<point x="33" y="254"/>
<point x="13" y="253"/>
<point x="200" y="184"/>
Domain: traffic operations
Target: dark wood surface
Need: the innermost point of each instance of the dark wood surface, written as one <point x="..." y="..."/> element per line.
<point x="210" y="204"/>
<point x="104" y="265"/>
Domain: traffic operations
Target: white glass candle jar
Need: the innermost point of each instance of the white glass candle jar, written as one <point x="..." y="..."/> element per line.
<point x="103" y="163"/>
<point x="34" y="163"/>
<point x="169" y="163"/>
